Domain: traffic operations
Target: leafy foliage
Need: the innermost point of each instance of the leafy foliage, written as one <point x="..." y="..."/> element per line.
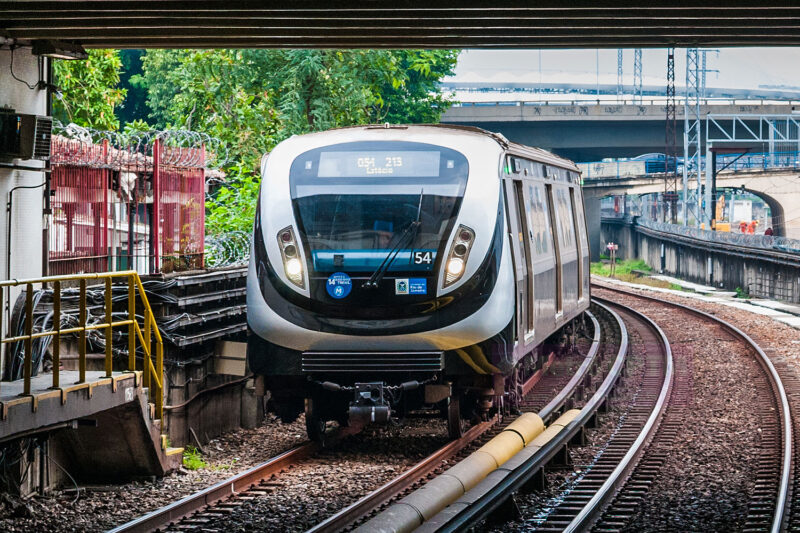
<point x="89" y="90"/>
<point x="134" y="107"/>
<point x="413" y="95"/>
<point x="233" y="207"/>
<point x="253" y="99"/>
<point x="212" y="91"/>
<point x="193" y="459"/>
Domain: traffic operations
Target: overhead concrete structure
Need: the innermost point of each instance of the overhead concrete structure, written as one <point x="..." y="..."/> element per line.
<point x="589" y="131"/>
<point x="409" y="23"/>
<point x="780" y="189"/>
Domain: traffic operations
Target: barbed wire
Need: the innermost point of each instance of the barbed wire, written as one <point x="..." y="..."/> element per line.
<point x="227" y="249"/>
<point x="133" y="149"/>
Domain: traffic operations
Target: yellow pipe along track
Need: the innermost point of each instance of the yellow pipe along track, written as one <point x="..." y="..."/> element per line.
<point x="526" y="434"/>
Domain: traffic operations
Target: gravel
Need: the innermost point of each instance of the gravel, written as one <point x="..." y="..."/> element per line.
<point x="99" y="508"/>
<point x="707" y="478"/>
<point x="535" y="506"/>
<point x="301" y="497"/>
<point x="318" y="488"/>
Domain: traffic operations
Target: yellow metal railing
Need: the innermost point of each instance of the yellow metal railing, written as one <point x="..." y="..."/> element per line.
<point x="152" y="372"/>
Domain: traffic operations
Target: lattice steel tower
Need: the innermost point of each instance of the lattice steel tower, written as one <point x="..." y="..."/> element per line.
<point x="619" y="74"/>
<point x="637" y="76"/>
<point x="670" y="145"/>
<point x="692" y="138"/>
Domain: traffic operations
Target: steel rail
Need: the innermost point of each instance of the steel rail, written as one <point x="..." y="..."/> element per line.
<point x="786" y="417"/>
<point x="243" y="481"/>
<point x="492" y="499"/>
<point x="610" y="487"/>
<point x="397" y="485"/>
<point x="175" y="511"/>
<point x="240" y="482"/>
<point x="556" y="404"/>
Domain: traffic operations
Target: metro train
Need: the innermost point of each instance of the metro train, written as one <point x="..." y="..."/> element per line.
<point x="397" y="269"/>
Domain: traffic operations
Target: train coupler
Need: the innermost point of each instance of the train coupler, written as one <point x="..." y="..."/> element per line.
<point x="370" y="405"/>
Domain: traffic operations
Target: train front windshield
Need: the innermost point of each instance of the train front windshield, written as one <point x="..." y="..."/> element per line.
<point x="357" y="203"/>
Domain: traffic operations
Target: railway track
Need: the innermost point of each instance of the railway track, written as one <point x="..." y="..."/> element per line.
<point x="202" y="509"/>
<point x="771" y="506"/>
<point x="630" y="438"/>
<point x="608" y="494"/>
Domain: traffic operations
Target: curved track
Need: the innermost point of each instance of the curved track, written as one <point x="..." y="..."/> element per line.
<point x="770" y="501"/>
<point x="204" y="506"/>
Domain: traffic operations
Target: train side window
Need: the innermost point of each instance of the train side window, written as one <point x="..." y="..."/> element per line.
<point x="544" y="218"/>
<point x="533" y="216"/>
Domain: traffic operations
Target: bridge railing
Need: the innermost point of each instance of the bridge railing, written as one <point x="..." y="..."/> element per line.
<point x="759" y="161"/>
<point x="552" y="99"/>
<point x="725" y="163"/>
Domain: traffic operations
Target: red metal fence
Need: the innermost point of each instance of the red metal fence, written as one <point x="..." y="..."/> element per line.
<point x="139" y="207"/>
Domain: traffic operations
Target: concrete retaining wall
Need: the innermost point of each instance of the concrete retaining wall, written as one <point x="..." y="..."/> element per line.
<point x="761" y="273"/>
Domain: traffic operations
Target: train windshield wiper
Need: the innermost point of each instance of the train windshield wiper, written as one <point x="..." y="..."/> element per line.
<point x="406" y="237"/>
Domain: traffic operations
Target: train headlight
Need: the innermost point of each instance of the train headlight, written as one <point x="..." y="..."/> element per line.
<point x="292" y="265"/>
<point x="457" y="258"/>
<point x="455" y="266"/>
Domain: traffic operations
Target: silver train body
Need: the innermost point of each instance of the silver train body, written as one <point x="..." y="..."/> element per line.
<point x="398" y="267"/>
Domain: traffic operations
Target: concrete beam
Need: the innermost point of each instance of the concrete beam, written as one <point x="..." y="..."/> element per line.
<point x="589" y="112"/>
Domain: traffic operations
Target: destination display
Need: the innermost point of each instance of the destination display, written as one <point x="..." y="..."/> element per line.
<point x="401" y="164"/>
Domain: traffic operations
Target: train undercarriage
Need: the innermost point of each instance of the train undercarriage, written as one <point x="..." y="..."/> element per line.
<point x="358" y="388"/>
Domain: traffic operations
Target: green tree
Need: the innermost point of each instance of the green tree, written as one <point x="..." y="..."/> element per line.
<point x="212" y="91"/>
<point x="253" y="99"/>
<point x="134" y="107"/>
<point x="89" y="90"/>
<point x="413" y="95"/>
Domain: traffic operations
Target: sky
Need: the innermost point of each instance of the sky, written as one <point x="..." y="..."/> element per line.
<point x="739" y="68"/>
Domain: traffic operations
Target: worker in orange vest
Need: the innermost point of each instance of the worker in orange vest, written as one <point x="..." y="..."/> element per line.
<point x="751" y="229"/>
<point x="743" y="226"/>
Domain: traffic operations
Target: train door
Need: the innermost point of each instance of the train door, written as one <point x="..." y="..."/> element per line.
<point x="581" y="238"/>
<point x="515" y="242"/>
<point x="524" y="236"/>
<point x="556" y="248"/>
<point x="543" y="260"/>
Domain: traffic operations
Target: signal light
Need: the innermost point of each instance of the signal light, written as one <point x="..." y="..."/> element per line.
<point x="457" y="258"/>
<point x="292" y="265"/>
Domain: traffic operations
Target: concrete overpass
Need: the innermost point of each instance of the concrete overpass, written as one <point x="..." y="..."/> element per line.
<point x="780" y="189"/>
<point x="590" y="132"/>
<point x="406" y="24"/>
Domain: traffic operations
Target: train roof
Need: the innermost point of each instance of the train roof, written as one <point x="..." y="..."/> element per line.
<point x="537" y="154"/>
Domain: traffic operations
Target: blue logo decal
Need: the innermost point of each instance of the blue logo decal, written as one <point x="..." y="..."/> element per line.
<point x="417" y="286"/>
<point x="339" y="285"/>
